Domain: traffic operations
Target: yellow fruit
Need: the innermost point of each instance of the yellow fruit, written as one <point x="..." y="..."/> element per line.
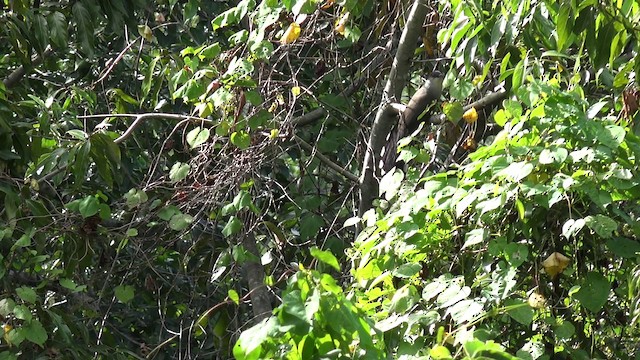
<point x="341" y="24"/>
<point x="327" y="4"/>
<point x="536" y="300"/>
<point x="470" y="116"/>
<point x="292" y="33"/>
<point x="555" y="264"/>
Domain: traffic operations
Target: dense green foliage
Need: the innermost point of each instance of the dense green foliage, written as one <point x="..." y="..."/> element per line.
<point x="179" y="179"/>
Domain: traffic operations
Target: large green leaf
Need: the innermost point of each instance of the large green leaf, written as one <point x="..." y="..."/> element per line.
<point x="593" y="292"/>
<point x="84" y="30"/>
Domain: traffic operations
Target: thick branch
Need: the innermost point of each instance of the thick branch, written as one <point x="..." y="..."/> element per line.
<point x="490" y="99"/>
<point x="393" y="90"/>
<point x="17" y="74"/>
<point x="254" y="273"/>
<point x="339" y="169"/>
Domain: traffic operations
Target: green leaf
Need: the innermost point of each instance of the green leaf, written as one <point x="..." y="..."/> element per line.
<point x="89" y="206"/>
<point x="23" y="312"/>
<point x="440" y="352"/>
<point x="180" y="221"/>
<point x="623" y="247"/>
<point x="210" y="51"/>
<point x="461" y="90"/>
<point x="25" y="239"/>
<point x="6" y="307"/>
<point x="564" y="25"/>
<point x="519" y="310"/>
<point x="233" y="295"/>
<point x="593" y="292"/>
<point x="407" y="270"/>
<point x="179" y="171"/>
<point x="135" y="197"/>
<point x="516" y="254"/>
<point x="27" y="294"/>
<point x="565" y="330"/>
<point x="402" y="300"/>
<point x="474" y="237"/>
<point x="84" y="28"/>
<point x="453" y="111"/>
<point x="124" y="293"/>
<point x="167" y="212"/>
<point x="612" y="137"/>
<point x="390" y="183"/>
<point x="517" y="171"/>
<point x="518" y="75"/>
<point x="68" y="283"/>
<point x="78" y="134"/>
<point x="254" y="98"/>
<point x="241" y="139"/>
<point x="233" y="226"/>
<point x="6" y="355"/>
<point x="197" y="136"/>
<point x="58" y="25"/>
<point x="35" y="332"/>
<point x="241" y="200"/>
<point x="310" y="224"/>
<point x="40" y="32"/>
<point x="249" y="343"/>
<point x="603" y="225"/>
<point x="227" y="18"/>
<point x="326" y="257"/>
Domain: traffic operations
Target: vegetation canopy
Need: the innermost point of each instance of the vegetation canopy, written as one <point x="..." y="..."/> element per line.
<point x="283" y="179"/>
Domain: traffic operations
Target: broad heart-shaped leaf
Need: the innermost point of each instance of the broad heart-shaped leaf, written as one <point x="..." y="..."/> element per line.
<point x="326" y="257"/>
<point x="554" y="155"/>
<point x="390" y="183"/>
<point x="612" y="137"/>
<point x="179" y="171"/>
<point x="474" y="237"/>
<point x="89" y="206"/>
<point x="594" y="291"/>
<point x="465" y="311"/>
<point x="248" y="345"/>
<point x="519" y="310"/>
<point x="233" y="226"/>
<point x="407" y="270"/>
<point x="124" y="293"/>
<point x="623" y="247"/>
<point x="517" y="171"/>
<point x="241" y="139"/>
<point x="197" y="136"/>
<point x="603" y="225"/>
<point x="180" y="221"/>
<point x="35" y="332"/>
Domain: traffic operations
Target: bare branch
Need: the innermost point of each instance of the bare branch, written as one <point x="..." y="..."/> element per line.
<point x="490" y="99"/>
<point x="314" y="152"/>
<point x="17" y="74"/>
<point x="393" y="90"/>
<point x="142" y="117"/>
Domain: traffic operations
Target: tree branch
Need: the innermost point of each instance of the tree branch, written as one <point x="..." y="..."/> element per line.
<point x="17" y="74"/>
<point x="490" y="99"/>
<point x="392" y="92"/>
<point x="142" y="117"/>
<point x="314" y="152"/>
